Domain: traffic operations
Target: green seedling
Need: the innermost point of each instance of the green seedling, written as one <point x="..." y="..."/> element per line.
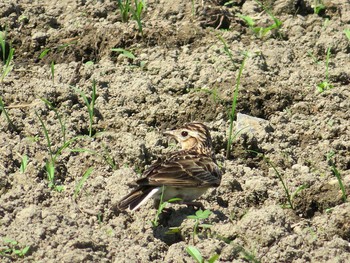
<point x="198" y="217"/>
<point x="162" y="205"/>
<point x="58" y="116"/>
<point x="12" y="248"/>
<point x="312" y="56"/>
<point x="318" y="6"/>
<point x="227" y="50"/>
<point x="336" y="173"/>
<point x="4" y="110"/>
<point x="124" y="8"/>
<point x="261" y="31"/>
<point x="234" y="105"/>
<point x="125" y="53"/>
<point x="58" y="48"/>
<point x="279" y="176"/>
<point x="137" y="12"/>
<point x="53" y="155"/>
<point x="7" y="55"/>
<point x="82" y="181"/>
<point x="214" y="93"/>
<point x="197" y="256"/>
<point x="326" y="85"/>
<point x="347" y="33"/>
<point x="89" y="104"/>
<point x="105" y="156"/>
<point x="24" y="163"/>
<point x="248" y="256"/>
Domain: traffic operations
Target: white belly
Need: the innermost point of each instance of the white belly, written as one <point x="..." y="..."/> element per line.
<point x="185" y="193"/>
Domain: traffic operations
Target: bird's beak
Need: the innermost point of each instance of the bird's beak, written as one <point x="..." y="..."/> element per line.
<point x="169" y="133"/>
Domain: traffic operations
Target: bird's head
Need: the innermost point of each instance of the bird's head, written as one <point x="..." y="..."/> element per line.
<point x="193" y="136"/>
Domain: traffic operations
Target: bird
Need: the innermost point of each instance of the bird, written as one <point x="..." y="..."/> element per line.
<point x="186" y="174"/>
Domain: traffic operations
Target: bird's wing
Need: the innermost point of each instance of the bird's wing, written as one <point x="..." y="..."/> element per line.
<point x="183" y="170"/>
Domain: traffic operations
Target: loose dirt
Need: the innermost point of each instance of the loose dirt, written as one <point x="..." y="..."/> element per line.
<point x="180" y="73"/>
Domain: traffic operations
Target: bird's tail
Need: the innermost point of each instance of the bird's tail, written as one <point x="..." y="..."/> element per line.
<point x="137" y="197"/>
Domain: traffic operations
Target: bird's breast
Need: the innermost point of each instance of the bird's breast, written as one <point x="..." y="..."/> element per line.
<point x="187" y="194"/>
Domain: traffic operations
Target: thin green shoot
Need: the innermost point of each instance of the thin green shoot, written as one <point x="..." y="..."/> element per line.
<point x="326" y="85"/>
<point x="90" y="105"/>
<point x="336" y="173"/>
<point x="137" y="12"/>
<point x="50" y="164"/>
<point x="125" y="53"/>
<point x="105" y="156"/>
<point x="279" y="176"/>
<point x="24" y="163"/>
<point x="7" y="116"/>
<point x="82" y="181"/>
<point x="234" y="105"/>
<point x="47" y="137"/>
<point x="312" y="56"/>
<point x="124" y="8"/>
<point x="286" y="190"/>
<point x="162" y="205"/>
<point x="347" y="33"/>
<point x="213" y="92"/>
<point x="318" y="6"/>
<point x="13" y="248"/>
<point x="227" y="50"/>
<point x="7" y="56"/>
<point x="248" y="256"/>
<point x="198" y="217"/>
<point x="197" y="256"/>
<point x="261" y="31"/>
<point x="44" y="53"/>
<point x="297" y="191"/>
<point x="58" y="116"/>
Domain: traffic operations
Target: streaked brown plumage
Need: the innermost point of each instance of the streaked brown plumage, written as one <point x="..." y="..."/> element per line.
<point x="185" y="174"/>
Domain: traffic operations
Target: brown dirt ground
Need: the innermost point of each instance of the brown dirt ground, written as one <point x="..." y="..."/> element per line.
<point x="181" y="73"/>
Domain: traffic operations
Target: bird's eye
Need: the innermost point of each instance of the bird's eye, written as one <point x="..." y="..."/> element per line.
<point x="184" y="133"/>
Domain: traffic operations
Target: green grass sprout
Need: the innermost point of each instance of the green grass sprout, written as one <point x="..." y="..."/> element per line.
<point x="24" y="163"/>
<point x="347" y="33"/>
<point x="197" y="256"/>
<point x="312" y="56"/>
<point x="89" y="104"/>
<point x="124" y="8"/>
<point x="198" y="217"/>
<point x="7" y="116"/>
<point x="162" y="205"/>
<point x="227" y="50"/>
<point x="336" y="173"/>
<point x="125" y="53"/>
<point x="326" y="85"/>
<point x="12" y="248"/>
<point x="50" y="165"/>
<point x="234" y="105"/>
<point x="58" y="116"/>
<point x="7" y="55"/>
<point x="137" y="13"/>
<point x="279" y="176"/>
<point x="82" y="181"/>
<point x="261" y="31"/>
<point x="318" y="6"/>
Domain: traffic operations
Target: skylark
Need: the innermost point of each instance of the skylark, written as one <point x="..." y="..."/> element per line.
<point x="185" y="174"/>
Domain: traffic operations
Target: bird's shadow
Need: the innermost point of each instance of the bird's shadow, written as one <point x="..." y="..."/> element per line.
<point x="168" y="229"/>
